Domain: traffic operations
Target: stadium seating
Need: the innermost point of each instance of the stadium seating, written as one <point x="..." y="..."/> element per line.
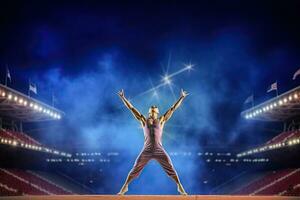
<point x="282" y="182"/>
<point x="20" y="182"/>
<point x="295" y="191"/>
<point x="18" y="136"/>
<point x="7" y="191"/>
<point x="277" y="187"/>
<point x="6" y="135"/>
<point x="284" y="136"/>
<point x="26" y="138"/>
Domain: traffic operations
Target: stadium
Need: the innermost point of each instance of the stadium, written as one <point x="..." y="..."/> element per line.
<point x="228" y="70"/>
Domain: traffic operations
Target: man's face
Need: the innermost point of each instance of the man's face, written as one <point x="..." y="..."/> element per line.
<point x="153" y="112"/>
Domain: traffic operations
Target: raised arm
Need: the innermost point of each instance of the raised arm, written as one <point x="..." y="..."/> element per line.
<point x="170" y="112"/>
<point x="133" y="110"/>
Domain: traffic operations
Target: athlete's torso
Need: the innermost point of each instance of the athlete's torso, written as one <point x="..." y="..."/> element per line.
<point x="153" y="130"/>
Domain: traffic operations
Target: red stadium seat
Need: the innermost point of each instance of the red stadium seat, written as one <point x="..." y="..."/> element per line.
<point x="274" y="183"/>
<point x="27" y="183"/>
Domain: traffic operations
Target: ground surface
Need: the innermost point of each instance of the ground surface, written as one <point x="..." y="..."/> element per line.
<point x="148" y="197"/>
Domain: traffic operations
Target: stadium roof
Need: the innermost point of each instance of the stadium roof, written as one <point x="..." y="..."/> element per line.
<point x="280" y="108"/>
<point x="21" y="107"/>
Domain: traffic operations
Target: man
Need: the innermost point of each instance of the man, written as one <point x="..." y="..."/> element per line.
<point x="153" y="149"/>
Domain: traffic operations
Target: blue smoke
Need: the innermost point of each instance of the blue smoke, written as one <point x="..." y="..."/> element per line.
<point x="97" y="119"/>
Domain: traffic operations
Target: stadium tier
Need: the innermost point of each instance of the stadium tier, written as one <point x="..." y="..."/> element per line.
<point x="18" y="106"/>
<point x="20" y="139"/>
<point x="280" y="108"/>
<point x="281" y="182"/>
<point x="285" y="139"/>
<point x="21" y="182"/>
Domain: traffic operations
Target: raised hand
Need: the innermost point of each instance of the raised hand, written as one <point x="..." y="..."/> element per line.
<point x="121" y="93"/>
<point x="183" y="93"/>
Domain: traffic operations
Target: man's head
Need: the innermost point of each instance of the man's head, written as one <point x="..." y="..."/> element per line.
<point x="153" y="112"/>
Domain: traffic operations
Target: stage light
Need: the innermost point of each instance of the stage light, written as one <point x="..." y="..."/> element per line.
<point x="40" y="108"/>
<point x="280" y="102"/>
<point x="25" y="103"/>
<point x="21" y="100"/>
<point x="35" y="107"/>
<point x="296" y="96"/>
<point x="16" y="98"/>
<point x="285" y="100"/>
<point x="9" y="96"/>
<point x="275" y="104"/>
<point x="295" y="141"/>
<point x="271" y="106"/>
<point x="3" y="94"/>
<point x="14" y="143"/>
<point x="290" y="97"/>
<point x="58" y="116"/>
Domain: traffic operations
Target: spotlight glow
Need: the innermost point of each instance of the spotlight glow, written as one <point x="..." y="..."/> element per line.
<point x="296" y="96"/>
<point x="167" y="80"/>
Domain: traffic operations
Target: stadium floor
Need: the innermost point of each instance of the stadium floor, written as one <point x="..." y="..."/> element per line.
<point x="148" y="197"/>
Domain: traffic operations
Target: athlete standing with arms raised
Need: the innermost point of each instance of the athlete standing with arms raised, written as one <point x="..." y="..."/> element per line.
<point x="153" y="149"/>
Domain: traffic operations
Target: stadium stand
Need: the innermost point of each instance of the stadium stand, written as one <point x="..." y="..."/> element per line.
<point x="16" y="182"/>
<point x="16" y="109"/>
<point x="65" y="181"/>
<point x="7" y="191"/>
<point x="18" y="136"/>
<point x="280" y="182"/>
<point x="284" y="136"/>
<point x="294" y="191"/>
